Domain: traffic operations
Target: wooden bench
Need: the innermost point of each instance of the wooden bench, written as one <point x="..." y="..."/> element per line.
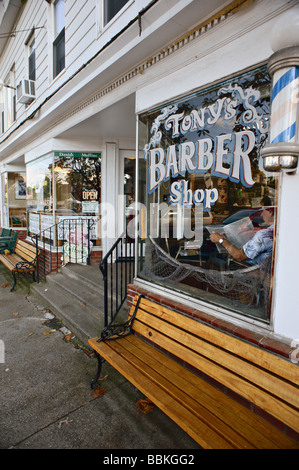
<point x="211" y="417"/>
<point x="22" y="261"/>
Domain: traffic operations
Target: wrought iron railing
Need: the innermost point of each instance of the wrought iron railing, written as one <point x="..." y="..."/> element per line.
<point x="117" y="268"/>
<point x="68" y="240"/>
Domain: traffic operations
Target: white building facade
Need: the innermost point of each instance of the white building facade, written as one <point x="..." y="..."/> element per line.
<point x="167" y="103"/>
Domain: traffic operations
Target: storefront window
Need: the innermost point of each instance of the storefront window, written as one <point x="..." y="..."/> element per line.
<point x="39" y="185"/>
<point x="78" y="183"/>
<point x="5" y="212"/>
<point x="14" y="199"/>
<point x="64" y="186"/>
<point x="204" y="174"/>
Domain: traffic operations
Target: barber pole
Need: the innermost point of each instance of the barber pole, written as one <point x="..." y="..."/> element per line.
<point x="284" y="105"/>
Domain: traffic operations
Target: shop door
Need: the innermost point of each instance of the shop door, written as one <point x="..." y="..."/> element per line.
<point x="127" y="191"/>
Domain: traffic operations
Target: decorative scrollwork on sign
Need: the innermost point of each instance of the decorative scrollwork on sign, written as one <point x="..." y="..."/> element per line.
<point x="247" y="97"/>
<point x="157" y="134"/>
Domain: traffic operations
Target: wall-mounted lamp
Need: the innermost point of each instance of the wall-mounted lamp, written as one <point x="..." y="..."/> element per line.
<point x="281" y="156"/>
<point x="283" y="151"/>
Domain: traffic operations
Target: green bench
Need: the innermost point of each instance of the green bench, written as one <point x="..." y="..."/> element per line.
<point x="8" y="243"/>
<point x="5" y="233"/>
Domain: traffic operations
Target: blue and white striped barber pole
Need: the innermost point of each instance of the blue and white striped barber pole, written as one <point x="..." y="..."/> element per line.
<point x="285" y="97"/>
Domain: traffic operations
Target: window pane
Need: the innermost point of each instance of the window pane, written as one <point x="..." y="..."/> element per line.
<point x="59" y="54"/>
<point x="4" y="183"/>
<point x="204" y="174"/>
<point x="59" y="16"/>
<point x="16" y="195"/>
<point x="73" y="175"/>
<point x="111" y="7"/>
<point x="31" y="61"/>
<point x="39" y="184"/>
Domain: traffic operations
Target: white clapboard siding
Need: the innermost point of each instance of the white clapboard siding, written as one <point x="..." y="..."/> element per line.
<point x="83" y="38"/>
<point x="80" y="32"/>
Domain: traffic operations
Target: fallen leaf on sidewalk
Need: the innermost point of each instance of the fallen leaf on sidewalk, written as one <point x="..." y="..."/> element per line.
<point x="99" y="392"/>
<point x="103" y="378"/>
<point x="15" y="314"/>
<point x="64" y="421"/>
<point x="69" y="337"/>
<point x="5" y="284"/>
<point x="48" y="332"/>
<point x="30" y="334"/>
<point x="145" y="406"/>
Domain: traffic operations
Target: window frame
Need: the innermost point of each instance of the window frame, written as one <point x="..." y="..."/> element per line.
<point x="160" y="285"/>
<point x="31" y="54"/>
<point x="101" y="26"/>
<point x="8" y="111"/>
<point x="58" y="40"/>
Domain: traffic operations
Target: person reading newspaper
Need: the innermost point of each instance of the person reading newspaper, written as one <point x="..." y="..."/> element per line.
<point x="258" y="248"/>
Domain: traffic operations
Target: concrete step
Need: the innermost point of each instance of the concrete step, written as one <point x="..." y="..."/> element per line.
<point x="90" y="299"/>
<point x="68" y="309"/>
<point x="76" y="296"/>
<point x="90" y="276"/>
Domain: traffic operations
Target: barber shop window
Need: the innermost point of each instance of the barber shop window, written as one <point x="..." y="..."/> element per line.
<point x="211" y="207"/>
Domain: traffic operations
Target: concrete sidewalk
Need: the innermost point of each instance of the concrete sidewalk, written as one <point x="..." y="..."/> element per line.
<point x="46" y="401"/>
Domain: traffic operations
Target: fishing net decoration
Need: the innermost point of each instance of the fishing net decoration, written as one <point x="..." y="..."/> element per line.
<point x="245" y="284"/>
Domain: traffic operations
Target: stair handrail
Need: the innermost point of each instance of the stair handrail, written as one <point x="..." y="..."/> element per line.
<point x="121" y="274"/>
<point x="40" y="238"/>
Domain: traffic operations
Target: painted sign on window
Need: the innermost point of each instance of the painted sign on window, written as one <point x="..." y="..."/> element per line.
<point x="211" y="135"/>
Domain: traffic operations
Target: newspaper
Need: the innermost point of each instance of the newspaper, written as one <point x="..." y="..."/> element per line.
<point x="237" y="233"/>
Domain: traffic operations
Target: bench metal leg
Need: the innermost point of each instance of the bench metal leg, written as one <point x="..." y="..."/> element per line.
<point x="100" y="362"/>
<point x="14" y="282"/>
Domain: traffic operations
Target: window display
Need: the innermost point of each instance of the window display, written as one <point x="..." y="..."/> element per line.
<point x="211" y="208"/>
<point x="14" y="199"/>
<point x="64" y="186"/>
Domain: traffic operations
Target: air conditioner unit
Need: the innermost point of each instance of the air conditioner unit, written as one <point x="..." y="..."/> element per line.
<point x="26" y="91"/>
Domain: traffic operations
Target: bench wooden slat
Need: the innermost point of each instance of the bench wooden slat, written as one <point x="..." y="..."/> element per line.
<point x="251" y="373"/>
<point x="11" y="260"/>
<point x="26" y="245"/>
<point x="28" y="252"/>
<point x="198" y="430"/>
<point x="252" y="427"/>
<point x="7" y="262"/>
<point x="155" y="358"/>
<point x="182" y="397"/>
<point x="233" y="381"/>
<point x="198" y="402"/>
<point x="276" y="365"/>
<point x="136" y="365"/>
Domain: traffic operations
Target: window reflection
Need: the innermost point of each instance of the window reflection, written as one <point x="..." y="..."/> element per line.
<point x="73" y="175"/>
<point x="14" y="199"/>
<point x="63" y="185"/>
<point x="39" y="184"/>
<point x="204" y="174"/>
